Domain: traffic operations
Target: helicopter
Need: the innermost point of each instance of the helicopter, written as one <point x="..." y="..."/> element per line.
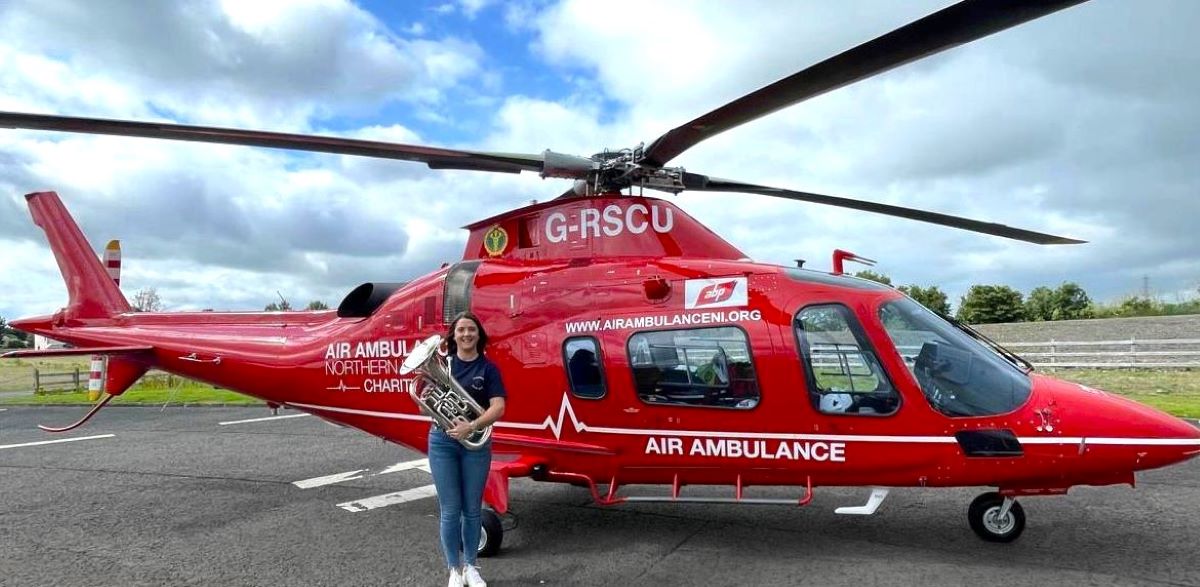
<point x="642" y="348"/>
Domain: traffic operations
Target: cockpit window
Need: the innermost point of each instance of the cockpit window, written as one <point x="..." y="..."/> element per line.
<point x="844" y="376"/>
<point x="958" y="375"/>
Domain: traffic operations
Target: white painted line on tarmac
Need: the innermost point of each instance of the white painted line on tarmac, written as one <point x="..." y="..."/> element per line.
<point x="387" y="499"/>
<point x="263" y="419"/>
<point x="3" y="409"/>
<point x="328" y="479"/>
<point x="421" y="464"/>
<point x="40" y="442"/>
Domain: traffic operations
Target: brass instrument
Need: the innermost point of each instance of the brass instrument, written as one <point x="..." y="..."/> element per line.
<point x="439" y="395"/>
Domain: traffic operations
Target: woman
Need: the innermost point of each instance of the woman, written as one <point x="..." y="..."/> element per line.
<point x="459" y="474"/>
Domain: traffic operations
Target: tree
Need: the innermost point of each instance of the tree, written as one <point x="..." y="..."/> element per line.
<point x="281" y="306"/>
<point x="1137" y="306"/>
<point x="1068" y="302"/>
<point x="316" y="305"/>
<point x="991" y="304"/>
<point x="931" y="297"/>
<point x="1072" y="302"/>
<point x="147" y="300"/>
<point x="873" y="276"/>
<point x="12" y="338"/>
<point x="1039" y="307"/>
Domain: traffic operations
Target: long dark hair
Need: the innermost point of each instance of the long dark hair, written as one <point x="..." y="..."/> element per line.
<point x="453" y="345"/>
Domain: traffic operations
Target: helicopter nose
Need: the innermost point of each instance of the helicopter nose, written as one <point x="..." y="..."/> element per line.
<point x="1165" y="440"/>
<point x="1118" y="432"/>
<point x="1170" y="429"/>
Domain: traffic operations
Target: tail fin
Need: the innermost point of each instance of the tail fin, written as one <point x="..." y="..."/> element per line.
<point x="92" y="292"/>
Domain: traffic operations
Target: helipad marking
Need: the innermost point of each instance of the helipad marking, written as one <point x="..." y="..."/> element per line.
<point x="56" y="441"/>
<point x="387" y="499"/>
<point x="421" y="464"/>
<point x="263" y="419"/>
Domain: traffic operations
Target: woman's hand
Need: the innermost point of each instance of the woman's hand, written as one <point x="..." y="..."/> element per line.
<point x="462" y="429"/>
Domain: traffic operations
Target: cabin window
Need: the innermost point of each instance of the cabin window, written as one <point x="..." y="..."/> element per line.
<point x="697" y="367"/>
<point x="585" y="367"/>
<point x="844" y="376"/>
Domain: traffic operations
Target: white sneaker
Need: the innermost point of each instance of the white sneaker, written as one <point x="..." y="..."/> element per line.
<point x="456" y="578"/>
<point x="471" y="574"/>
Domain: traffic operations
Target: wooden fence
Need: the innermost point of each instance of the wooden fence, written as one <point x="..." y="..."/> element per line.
<point x="67" y="381"/>
<point x="1132" y="353"/>
<point x="1178" y="353"/>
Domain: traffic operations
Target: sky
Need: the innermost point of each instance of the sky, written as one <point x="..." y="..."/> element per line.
<point x="1082" y="124"/>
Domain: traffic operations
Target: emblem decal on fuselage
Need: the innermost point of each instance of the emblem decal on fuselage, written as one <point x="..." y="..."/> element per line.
<point x="495" y="241"/>
<point x="722" y="292"/>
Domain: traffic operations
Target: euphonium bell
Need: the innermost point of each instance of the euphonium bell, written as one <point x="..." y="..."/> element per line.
<point x="439" y="395"/>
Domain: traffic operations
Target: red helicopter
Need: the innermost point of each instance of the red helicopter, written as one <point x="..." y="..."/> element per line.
<point x="641" y="348"/>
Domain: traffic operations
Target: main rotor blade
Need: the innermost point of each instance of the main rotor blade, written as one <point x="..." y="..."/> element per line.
<point x="696" y="182"/>
<point x="434" y="157"/>
<point x="956" y="25"/>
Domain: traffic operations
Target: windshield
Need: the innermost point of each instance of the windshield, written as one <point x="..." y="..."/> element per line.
<point x="958" y="375"/>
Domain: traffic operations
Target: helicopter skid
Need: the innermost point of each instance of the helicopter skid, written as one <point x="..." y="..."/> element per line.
<point x="878" y="494"/>
<point x="611" y="498"/>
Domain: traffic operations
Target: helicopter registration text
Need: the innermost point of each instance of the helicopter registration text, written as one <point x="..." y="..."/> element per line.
<point x="739" y="448"/>
<point x="611" y="221"/>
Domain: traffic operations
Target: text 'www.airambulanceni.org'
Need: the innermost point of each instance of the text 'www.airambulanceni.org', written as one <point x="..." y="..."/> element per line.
<point x="663" y="321"/>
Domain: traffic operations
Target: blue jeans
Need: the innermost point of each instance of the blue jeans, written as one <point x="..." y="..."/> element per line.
<point x="459" y="475"/>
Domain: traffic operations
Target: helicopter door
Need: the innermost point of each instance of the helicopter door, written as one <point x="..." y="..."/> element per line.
<point x="843" y="372"/>
<point x="457" y="296"/>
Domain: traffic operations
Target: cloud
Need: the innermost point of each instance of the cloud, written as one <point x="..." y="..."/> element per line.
<point x="1079" y="124"/>
<point x="231" y="63"/>
<point x="1030" y="127"/>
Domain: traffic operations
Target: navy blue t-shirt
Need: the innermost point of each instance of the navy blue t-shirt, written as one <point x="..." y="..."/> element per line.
<point x="480" y="378"/>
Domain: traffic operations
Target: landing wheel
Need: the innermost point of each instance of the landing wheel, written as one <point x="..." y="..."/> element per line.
<point x="989" y="520"/>
<point x="492" y="533"/>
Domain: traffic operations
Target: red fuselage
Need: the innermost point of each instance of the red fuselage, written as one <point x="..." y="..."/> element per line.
<point x="638" y="282"/>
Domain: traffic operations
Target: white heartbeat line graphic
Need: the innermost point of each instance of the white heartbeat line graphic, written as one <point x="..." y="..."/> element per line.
<point x="550" y="423"/>
<point x="341" y="386"/>
<point x="565" y="409"/>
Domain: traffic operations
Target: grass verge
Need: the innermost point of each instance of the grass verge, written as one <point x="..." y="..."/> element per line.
<point x="155" y="389"/>
<point x="190" y="393"/>
<point x="1175" y="391"/>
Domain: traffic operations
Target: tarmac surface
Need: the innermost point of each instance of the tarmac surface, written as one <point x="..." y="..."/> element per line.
<point x="172" y="496"/>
